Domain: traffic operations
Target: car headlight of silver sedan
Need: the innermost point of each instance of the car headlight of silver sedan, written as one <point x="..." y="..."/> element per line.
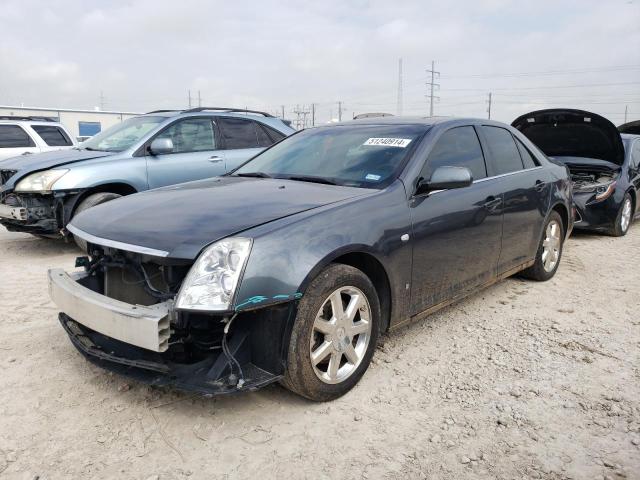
<point x="40" y="181"/>
<point x="212" y="280"/>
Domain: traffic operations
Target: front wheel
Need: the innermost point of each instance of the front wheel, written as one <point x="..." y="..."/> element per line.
<point x="91" y="201"/>
<point x="624" y="217"/>
<point x="549" y="250"/>
<point x="334" y="335"/>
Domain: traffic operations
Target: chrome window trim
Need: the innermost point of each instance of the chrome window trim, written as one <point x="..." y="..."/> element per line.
<point x="105" y="242"/>
<point x="508" y="174"/>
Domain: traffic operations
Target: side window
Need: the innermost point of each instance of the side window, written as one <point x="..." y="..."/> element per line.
<point x="191" y="135"/>
<point x="458" y="147"/>
<point x="275" y="135"/>
<point x="528" y="159"/>
<point x="13" y="136"/>
<point x="505" y="157"/>
<point x="263" y="138"/>
<point x="635" y="154"/>
<point x="52" y="136"/>
<point x="238" y="133"/>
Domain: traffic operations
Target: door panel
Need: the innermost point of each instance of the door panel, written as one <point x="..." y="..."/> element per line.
<point x="196" y="154"/>
<point x="456" y="242"/>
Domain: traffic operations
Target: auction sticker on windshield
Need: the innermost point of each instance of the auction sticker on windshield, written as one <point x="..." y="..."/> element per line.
<point x="388" y="142"/>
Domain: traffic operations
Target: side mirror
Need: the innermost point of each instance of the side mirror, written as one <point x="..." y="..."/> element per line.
<point x="445" y="178"/>
<point x="161" y="146"/>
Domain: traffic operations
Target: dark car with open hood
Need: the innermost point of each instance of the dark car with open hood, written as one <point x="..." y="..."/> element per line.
<point x="604" y="164"/>
<point x="288" y="268"/>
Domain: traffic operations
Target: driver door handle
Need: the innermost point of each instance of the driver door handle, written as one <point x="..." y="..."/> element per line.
<point x="215" y="159"/>
<point x="539" y="186"/>
<point x="492" y="202"/>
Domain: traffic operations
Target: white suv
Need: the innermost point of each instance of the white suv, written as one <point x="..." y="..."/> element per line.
<point x="22" y="135"/>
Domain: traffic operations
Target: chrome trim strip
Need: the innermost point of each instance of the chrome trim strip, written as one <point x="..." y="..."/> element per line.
<point x="114" y="244"/>
<point x="507" y="174"/>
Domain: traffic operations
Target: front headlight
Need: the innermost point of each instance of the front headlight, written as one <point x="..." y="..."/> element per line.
<point x="604" y="191"/>
<point x="211" y="282"/>
<point x="40" y="181"/>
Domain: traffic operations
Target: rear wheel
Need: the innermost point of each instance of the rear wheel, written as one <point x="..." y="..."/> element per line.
<point x="549" y="251"/>
<point x="91" y="201"/>
<point x="334" y="335"/>
<point x="624" y="217"/>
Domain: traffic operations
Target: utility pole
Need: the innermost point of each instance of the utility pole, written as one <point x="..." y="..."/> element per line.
<point x="189" y="93"/>
<point x="313" y="114"/>
<point x="101" y="100"/>
<point x="301" y="123"/>
<point x="199" y="99"/>
<point x="399" y="106"/>
<point x="339" y="111"/>
<point x="489" y="106"/>
<point x="432" y="86"/>
<point x="282" y="111"/>
<point x="626" y="110"/>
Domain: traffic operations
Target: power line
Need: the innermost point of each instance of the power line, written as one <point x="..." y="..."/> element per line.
<point x="546" y="87"/>
<point x="549" y="72"/>
<point x="432" y="85"/>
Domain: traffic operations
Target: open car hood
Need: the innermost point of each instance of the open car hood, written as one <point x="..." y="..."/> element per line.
<point x="632" y="127"/>
<point x="183" y="219"/>
<point x="564" y="132"/>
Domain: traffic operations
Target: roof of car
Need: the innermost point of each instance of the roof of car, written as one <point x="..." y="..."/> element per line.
<point x="417" y="120"/>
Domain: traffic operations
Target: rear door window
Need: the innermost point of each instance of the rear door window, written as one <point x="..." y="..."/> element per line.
<point x="238" y="133"/>
<point x="505" y="157"/>
<point x="458" y="147"/>
<point x="52" y="136"/>
<point x="191" y="135"/>
<point x="274" y="135"/>
<point x="13" y="136"/>
<point x="528" y="160"/>
<point x="635" y="155"/>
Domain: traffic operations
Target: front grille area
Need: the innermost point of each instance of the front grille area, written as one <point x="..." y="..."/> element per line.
<point x="5" y="175"/>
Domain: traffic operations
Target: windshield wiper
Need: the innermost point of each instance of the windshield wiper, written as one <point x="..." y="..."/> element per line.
<point x="308" y="178"/>
<point x="253" y="174"/>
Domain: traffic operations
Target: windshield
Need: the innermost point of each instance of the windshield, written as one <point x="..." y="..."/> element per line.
<point x="123" y="135"/>
<point x="367" y="156"/>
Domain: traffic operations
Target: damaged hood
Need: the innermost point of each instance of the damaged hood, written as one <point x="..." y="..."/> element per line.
<point x="181" y="220"/>
<point x="572" y="133"/>
<point x="26" y="164"/>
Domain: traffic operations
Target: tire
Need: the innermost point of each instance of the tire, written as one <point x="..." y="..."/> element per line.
<point x="91" y="201"/>
<point x="335" y="345"/>
<point x="549" y="242"/>
<point x="624" y="217"/>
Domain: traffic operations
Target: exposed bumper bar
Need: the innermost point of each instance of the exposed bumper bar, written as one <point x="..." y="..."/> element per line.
<point x="13" y="213"/>
<point x="139" y="325"/>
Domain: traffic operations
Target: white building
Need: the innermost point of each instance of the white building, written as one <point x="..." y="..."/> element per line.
<point x="80" y="123"/>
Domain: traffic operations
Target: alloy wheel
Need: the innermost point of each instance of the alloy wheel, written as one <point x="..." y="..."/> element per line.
<point x="551" y="246"/>
<point x="340" y="335"/>
<point x="625" y="218"/>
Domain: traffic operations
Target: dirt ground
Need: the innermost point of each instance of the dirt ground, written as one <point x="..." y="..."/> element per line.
<point x="523" y="380"/>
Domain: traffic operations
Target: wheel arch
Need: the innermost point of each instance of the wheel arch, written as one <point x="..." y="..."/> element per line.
<point x="362" y="258"/>
<point x="121" y="188"/>
<point x="562" y="210"/>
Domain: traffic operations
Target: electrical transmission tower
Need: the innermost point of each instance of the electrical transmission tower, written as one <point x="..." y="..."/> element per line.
<point x="432" y="85"/>
<point x="399" y="106"/>
<point x="301" y="117"/>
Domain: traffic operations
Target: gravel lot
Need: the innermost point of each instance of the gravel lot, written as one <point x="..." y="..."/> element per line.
<point x="522" y="380"/>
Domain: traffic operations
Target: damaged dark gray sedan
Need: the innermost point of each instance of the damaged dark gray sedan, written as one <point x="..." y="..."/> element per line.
<point x="290" y="267"/>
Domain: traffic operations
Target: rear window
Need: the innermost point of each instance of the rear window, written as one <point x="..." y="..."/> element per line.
<point x="505" y="157"/>
<point x="13" y="136"/>
<point x="52" y="136"/>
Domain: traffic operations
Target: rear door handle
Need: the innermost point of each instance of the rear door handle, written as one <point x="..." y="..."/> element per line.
<point x="539" y="186"/>
<point x="492" y="202"/>
<point x="215" y="159"/>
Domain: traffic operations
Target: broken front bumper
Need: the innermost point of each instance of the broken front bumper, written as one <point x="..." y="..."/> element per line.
<point x="136" y="341"/>
<point x="32" y="213"/>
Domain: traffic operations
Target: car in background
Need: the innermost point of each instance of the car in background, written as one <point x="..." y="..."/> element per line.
<point x="603" y="164"/>
<point x="632" y="128"/>
<point x="39" y="194"/>
<point x="27" y="135"/>
<point x="288" y="268"/>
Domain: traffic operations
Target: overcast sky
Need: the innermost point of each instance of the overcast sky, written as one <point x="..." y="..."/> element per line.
<point x="147" y="54"/>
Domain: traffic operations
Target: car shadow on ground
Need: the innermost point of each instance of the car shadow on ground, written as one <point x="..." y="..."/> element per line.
<point x="30" y="245"/>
